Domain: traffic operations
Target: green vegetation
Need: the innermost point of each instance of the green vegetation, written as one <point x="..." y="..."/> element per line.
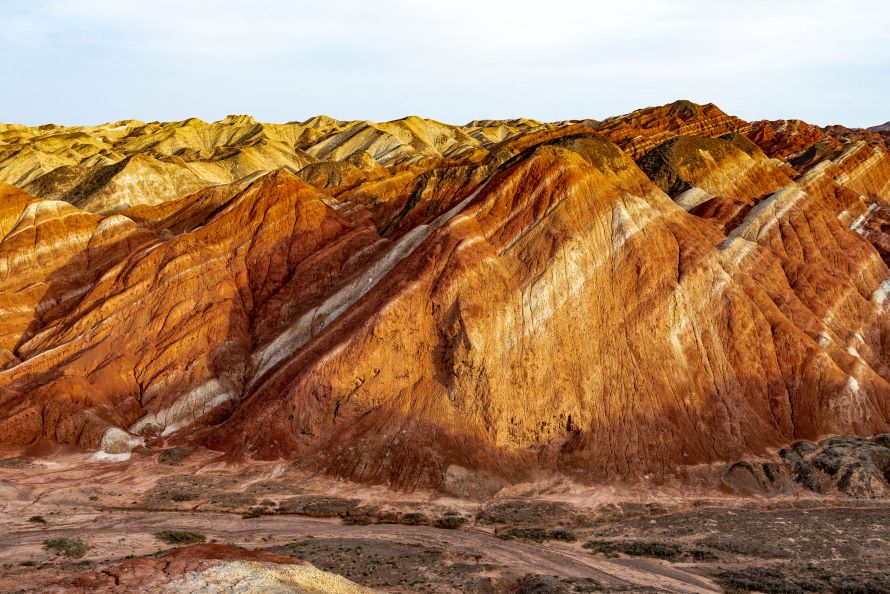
<point x="450" y="521"/>
<point x="37" y="520"/>
<point x="634" y="548"/>
<point x="67" y="547"/>
<point x="791" y="580"/>
<point x="759" y="579"/>
<point x="415" y="519"/>
<point x="178" y="537"/>
<point x="561" y="535"/>
<point x="256" y="512"/>
<point x="536" y="534"/>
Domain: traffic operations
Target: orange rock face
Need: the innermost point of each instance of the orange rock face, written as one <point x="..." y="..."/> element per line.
<point x="804" y="145"/>
<point x="639" y="132"/>
<point x="607" y="300"/>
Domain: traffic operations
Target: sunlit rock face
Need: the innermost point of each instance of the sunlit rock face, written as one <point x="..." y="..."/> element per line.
<point x="385" y="301"/>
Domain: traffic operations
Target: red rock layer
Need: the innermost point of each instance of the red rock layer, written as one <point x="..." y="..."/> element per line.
<point x="639" y="132"/>
<point x="168" y="331"/>
<point x="802" y="144"/>
<point x="547" y="306"/>
<point x="719" y="179"/>
<point x="558" y="263"/>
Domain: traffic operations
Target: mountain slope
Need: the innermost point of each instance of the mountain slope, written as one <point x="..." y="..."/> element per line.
<point x="406" y="302"/>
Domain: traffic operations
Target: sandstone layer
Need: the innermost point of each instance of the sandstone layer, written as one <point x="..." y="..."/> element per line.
<point x="412" y="303"/>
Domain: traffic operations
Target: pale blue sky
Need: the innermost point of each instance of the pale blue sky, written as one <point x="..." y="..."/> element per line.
<point x="90" y="61"/>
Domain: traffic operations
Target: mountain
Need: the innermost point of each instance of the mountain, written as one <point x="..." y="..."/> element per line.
<point x="413" y="303"/>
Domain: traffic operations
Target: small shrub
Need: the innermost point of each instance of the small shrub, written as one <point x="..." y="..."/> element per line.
<point x="180" y="537"/>
<point x="536" y="534"/>
<point x="658" y="550"/>
<point x="358" y="519"/>
<point x="256" y="512"/>
<point x="450" y="521"/>
<point x="415" y="519"/>
<point x="551" y="584"/>
<point x="37" y="520"/>
<point x="702" y="555"/>
<point x="68" y="547"/>
<point x="183" y="497"/>
<point x="561" y="535"/>
<point x="611" y="548"/>
<point x="758" y="579"/>
<point x="860" y="585"/>
<point x="599" y="546"/>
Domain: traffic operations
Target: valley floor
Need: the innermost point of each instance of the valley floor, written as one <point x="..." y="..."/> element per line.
<point x="527" y="542"/>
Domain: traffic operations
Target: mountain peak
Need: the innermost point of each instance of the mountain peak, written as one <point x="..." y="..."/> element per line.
<point x="238" y="120"/>
<point x="321" y="121"/>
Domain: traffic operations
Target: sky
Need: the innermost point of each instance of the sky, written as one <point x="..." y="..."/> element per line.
<point x="93" y="61"/>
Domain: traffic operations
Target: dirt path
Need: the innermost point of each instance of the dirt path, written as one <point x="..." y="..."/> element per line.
<point x="115" y="534"/>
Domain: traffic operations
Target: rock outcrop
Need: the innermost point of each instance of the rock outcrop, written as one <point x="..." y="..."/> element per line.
<point x="852" y="466"/>
<point x="210" y="568"/>
<point x="385" y="302"/>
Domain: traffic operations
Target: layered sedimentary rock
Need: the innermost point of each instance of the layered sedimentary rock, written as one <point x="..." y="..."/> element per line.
<point x="108" y="168"/>
<point x="804" y="145"/>
<point x="407" y="302"/>
<point x="640" y="131"/>
<point x="883" y="131"/>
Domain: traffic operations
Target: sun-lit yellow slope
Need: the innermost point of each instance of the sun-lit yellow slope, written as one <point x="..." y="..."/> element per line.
<point x="111" y="167"/>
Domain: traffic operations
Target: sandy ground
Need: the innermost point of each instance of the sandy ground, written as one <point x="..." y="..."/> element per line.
<point x="369" y="533"/>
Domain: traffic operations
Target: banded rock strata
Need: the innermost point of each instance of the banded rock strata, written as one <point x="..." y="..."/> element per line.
<point x="409" y="302"/>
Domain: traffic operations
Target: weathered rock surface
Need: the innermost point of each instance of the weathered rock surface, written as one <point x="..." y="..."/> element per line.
<point x="849" y="465"/>
<point x="640" y="131"/>
<point x="211" y="569"/>
<point x="804" y="145"/>
<point x="413" y="303"/>
<point x="104" y="169"/>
